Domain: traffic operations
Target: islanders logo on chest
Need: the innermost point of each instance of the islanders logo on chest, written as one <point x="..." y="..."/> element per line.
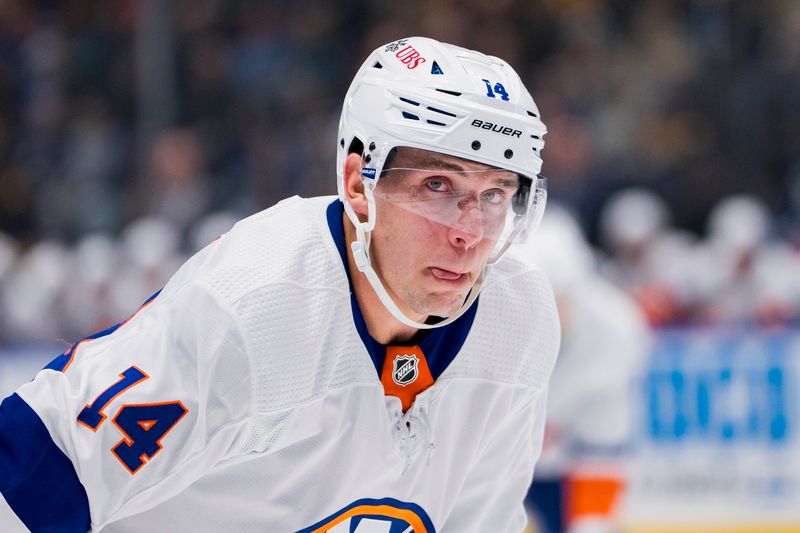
<point x="385" y="515"/>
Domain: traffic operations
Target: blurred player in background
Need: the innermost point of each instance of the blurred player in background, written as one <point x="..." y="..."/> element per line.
<point x="327" y="364"/>
<point x="580" y="477"/>
<point x="634" y="225"/>
<point x="748" y="276"/>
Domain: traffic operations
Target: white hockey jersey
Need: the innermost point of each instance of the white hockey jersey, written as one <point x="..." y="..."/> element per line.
<point x="242" y="398"/>
<point x="605" y="344"/>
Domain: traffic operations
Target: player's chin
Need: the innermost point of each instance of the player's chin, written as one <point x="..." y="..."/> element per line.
<point x="444" y="304"/>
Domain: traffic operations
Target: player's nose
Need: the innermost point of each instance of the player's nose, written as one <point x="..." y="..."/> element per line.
<point x="468" y="231"/>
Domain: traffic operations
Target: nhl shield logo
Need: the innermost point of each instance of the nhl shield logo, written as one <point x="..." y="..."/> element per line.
<point x="405" y="369"/>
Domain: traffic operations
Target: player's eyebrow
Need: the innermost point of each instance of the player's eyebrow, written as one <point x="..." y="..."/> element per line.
<point x="500" y="181"/>
<point x="432" y="163"/>
<point x="507" y="183"/>
<point x="435" y="163"/>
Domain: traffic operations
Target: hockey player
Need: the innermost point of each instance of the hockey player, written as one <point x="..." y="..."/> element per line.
<point x="354" y="364"/>
<point x="580" y="479"/>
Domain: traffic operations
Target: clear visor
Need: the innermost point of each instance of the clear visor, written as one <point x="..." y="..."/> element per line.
<point x="495" y="205"/>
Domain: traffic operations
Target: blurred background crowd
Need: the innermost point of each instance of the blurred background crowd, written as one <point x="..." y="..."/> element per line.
<point x="134" y="132"/>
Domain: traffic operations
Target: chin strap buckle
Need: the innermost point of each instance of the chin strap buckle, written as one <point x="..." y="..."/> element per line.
<point x="359" y="255"/>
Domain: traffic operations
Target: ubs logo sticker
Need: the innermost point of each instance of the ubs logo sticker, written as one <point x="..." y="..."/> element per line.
<point x="407" y="54"/>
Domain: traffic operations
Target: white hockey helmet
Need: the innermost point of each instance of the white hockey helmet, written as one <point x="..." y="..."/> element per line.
<point x="419" y="93"/>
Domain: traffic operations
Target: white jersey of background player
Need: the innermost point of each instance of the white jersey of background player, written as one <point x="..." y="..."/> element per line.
<point x="605" y="340"/>
<point x="293" y="375"/>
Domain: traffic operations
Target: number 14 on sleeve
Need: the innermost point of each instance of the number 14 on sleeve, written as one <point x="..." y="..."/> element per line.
<point x="142" y="425"/>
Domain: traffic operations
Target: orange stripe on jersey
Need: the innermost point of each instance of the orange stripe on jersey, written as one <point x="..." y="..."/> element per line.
<point x="388" y="511"/>
<point x="405" y="373"/>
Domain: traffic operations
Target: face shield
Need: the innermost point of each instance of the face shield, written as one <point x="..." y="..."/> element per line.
<point x="493" y="206"/>
<point x="445" y="200"/>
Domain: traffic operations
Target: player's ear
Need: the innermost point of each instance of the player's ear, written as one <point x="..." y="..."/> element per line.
<point x="353" y="186"/>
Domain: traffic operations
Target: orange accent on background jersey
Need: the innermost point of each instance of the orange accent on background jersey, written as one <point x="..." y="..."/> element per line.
<point x="591" y="495"/>
<point x="408" y="392"/>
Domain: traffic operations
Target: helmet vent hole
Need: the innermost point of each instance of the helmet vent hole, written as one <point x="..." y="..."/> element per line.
<point x="371" y="147"/>
<point x="509" y="153"/>
<point x="377" y="65"/>
<point x="449" y="114"/>
<point x="356" y="146"/>
<point x="476" y="145"/>
<point x="531" y="113"/>
<point x="410" y="116"/>
<point x="535" y="137"/>
<point x="341" y="142"/>
<point x="435" y="123"/>
<point x="453" y="93"/>
<point x="406" y="100"/>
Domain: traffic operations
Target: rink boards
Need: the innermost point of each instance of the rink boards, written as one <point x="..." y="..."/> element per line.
<point x="717" y="424"/>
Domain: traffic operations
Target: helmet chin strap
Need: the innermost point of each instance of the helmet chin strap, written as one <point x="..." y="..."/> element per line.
<point x="360" y="249"/>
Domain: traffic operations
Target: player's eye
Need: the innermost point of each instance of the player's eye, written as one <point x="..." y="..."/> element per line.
<point x="493" y="196"/>
<point x="437" y="185"/>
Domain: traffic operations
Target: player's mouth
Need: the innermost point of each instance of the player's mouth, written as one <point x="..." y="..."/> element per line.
<point x="449" y="276"/>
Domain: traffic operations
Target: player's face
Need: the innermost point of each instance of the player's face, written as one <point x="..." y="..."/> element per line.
<point x="436" y="227"/>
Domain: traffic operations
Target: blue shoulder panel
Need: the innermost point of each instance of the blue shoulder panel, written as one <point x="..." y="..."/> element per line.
<point x="37" y="479"/>
<point x="60" y="363"/>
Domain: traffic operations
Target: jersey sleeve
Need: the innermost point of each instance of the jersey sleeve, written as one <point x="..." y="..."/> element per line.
<point x="493" y="493"/>
<point x="129" y="418"/>
<point x="10" y="522"/>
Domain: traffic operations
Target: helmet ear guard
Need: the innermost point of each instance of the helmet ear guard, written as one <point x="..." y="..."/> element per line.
<point x="420" y="93"/>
